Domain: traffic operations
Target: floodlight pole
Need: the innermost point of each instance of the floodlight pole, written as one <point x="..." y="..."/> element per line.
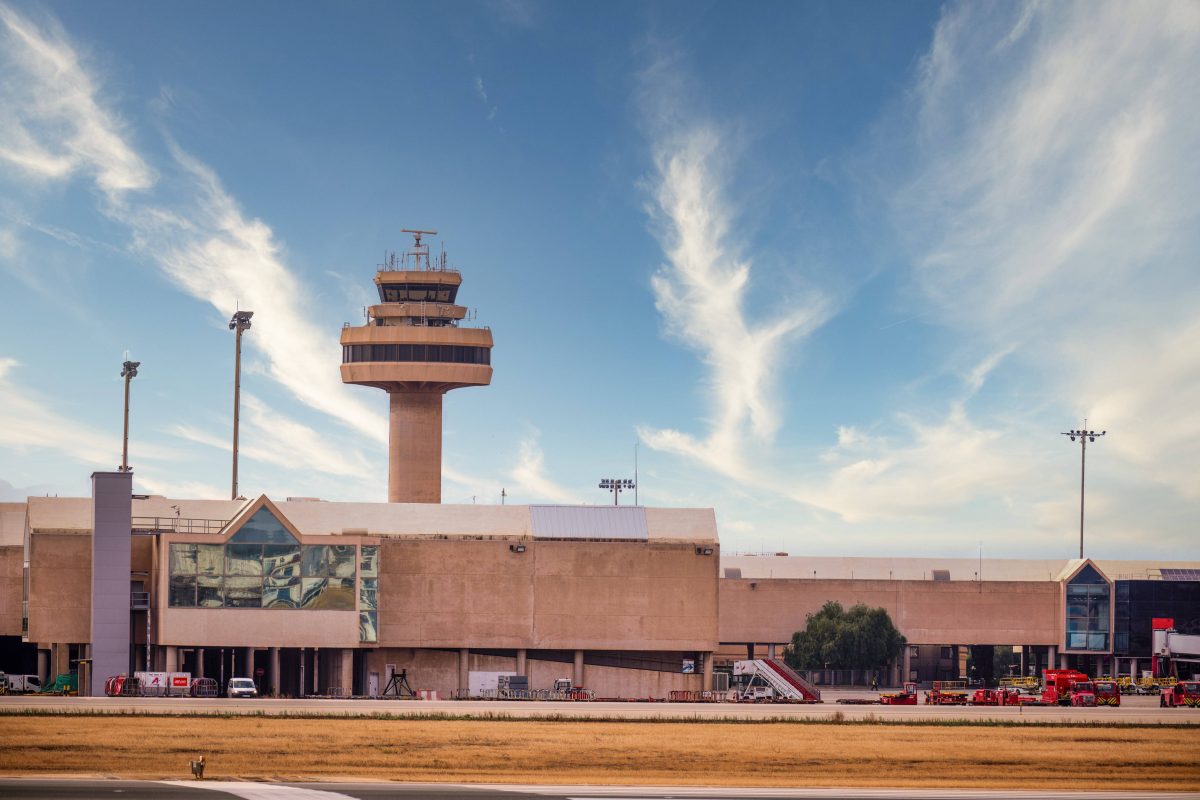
<point x="1083" y="435"/>
<point x="240" y="322"/>
<point x="616" y="486"/>
<point x="128" y="372"/>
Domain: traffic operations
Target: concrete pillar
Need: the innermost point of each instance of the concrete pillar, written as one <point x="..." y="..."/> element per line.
<point x="577" y="673"/>
<point x="771" y="650"/>
<point x="303" y="689"/>
<point x="43" y="666"/>
<point x="464" y="666"/>
<point x="1062" y="660"/>
<point x="248" y="660"/>
<point x="707" y="686"/>
<point x="273" y="686"/>
<point x="894" y="672"/>
<point x="316" y="681"/>
<point x="172" y="664"/>
<point x="346" y="676"/>
<point x="907" y="665"/>
<point x="199" y="663"/>
<point x="1051" y="657"/>
<point x="415" y="447"/>
<point x="522" y="662"/>
<point x="1133" y="673"/>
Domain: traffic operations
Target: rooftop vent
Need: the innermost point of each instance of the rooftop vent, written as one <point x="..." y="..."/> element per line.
<point x="941" y="574"/>
<point x="733" y="572"/>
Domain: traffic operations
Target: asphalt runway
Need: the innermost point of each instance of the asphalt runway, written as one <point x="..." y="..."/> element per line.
<point x="80" y="789"/>
<point x="1134" y="710"/>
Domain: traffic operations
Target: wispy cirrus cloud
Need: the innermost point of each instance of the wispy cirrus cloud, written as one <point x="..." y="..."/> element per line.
<point x="701" y="292"/>
<point x="529" y="476"/>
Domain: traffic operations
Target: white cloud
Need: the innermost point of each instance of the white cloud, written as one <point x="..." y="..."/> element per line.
<point x="53" y="124"/>
<point x="701" y="295"/>
<point x="531" y="479"/>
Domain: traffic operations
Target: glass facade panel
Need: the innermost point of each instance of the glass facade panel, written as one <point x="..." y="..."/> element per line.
<point x="333" y="594"/>
<point x="311" y="591"/>
<point x="368" y="593"/>
<point x="281" y="593"/>
<point x="369" y="563"/>
<point x="314" y="562"/>
<point x="341" y="560"/>
<point x="243" y="592"/>
<point x="210" y="594"/>
<point x="183" y="559"/>
<point x="210" y="559"/>
<point x="281" y="560"/>
<point x="263" y="528"/>
<point x="368" y="626"/>
<point x="183" y="591"/>
<point x="243" y="559"/>
<point x="1087" y="611"/>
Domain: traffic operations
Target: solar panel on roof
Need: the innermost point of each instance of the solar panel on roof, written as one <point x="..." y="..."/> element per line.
<point x="1180" y="574"/>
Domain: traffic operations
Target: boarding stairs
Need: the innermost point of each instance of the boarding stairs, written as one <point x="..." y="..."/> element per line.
<point x="786" y="682"/>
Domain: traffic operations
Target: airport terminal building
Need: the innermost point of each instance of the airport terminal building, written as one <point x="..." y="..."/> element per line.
<point x="333" y="598"/>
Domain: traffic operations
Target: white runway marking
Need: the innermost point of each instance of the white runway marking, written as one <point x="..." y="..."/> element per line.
<point x="261" y="791"/>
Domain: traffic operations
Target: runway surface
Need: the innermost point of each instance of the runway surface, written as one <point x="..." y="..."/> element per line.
<point x="1139" y="710"/>
<point x="78" y="789"/>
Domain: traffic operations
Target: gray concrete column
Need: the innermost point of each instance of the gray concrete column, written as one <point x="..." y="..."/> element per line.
<point x="43" y="666"/>
<point x="1051" y="657"/>
<point x="317" y="671"/>
<point x="464" y="669"/>
<point x="273" y="668"/>
<point x="303" y="690"/>
<point x="907" y="665"/>
<point x="199" y="651"/>
<point x="172" y="664"/>
<point x="1133" y="673"/>
<point x="894" y="672"/>
<point x="577" y="673"/>
<point x="770" y="651"/>
<point x="707" y="686"/>
<point x="522" y="662"/>
<point x="346" y="674"/>
<point x="1062" y="660"/>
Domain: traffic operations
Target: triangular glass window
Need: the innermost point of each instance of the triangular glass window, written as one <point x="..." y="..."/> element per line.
<point x="1088" y="575"/>
<point x="263" y="528"/>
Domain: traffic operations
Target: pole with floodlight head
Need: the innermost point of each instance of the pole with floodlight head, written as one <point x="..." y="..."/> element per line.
<point x="616" y="486"/>
<point x="1084" y="436"/>
<point x="128" y="372"/>
<point x="240" y="322"/>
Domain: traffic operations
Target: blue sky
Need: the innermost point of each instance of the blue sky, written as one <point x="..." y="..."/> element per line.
<point x="841" y="271"/>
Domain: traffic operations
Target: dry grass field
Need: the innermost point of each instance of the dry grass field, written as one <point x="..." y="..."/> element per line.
<point x="658" y="753"/>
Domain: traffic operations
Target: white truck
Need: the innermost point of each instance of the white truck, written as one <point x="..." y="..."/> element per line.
<point x="24" y="684"/>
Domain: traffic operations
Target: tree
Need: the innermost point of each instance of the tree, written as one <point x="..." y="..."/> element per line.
<point x="861" y="638"/>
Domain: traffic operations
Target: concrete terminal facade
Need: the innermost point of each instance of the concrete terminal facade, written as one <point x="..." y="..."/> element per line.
<point x="334" y="598"/>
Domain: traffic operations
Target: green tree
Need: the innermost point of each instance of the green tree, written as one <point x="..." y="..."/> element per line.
<point x="861" y="638"/>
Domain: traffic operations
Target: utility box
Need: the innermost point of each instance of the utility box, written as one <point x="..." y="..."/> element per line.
<point x="480" y="682"/>
<point x="513" y="683"/>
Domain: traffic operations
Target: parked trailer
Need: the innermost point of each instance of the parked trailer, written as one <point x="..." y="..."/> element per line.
<point x="1068" y="687"/>
<point x="947" y="693"/>
<point x="996" y="697"/>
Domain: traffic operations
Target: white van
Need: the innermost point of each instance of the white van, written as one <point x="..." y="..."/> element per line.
<point x="23" y="684"/>
<point x="241" y="687"/>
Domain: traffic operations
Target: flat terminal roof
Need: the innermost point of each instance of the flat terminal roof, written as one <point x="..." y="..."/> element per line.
<point x="918" y="569"/>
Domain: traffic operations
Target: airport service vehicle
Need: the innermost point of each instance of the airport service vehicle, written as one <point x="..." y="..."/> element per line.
<point x="908" y="697"/>
<point x="19" y="684"/>
<point x="241" y="687"/>
<point x="1068" y="687"/>
<point x="996" y="697"/>
<point x="947" y="693"/>
<point x="1183" y="693"/>
<point x="66" y="683"/>
<point x="1108" y="693"/>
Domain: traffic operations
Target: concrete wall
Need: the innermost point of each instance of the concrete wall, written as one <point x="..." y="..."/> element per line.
<point x="10" y="590"/>
<point x="953" y="612"/>
<point x="438" y="670"/>
<point x="60" y="581"/>
<point x="257" y="627"/>
<point x="555" y="595"/>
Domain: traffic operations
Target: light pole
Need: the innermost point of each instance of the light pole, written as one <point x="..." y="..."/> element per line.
<point x="616" y="486"/>
<point x="128" y="372"/>
<point x="240" y="322"/>
<point x="1084" y="436"/>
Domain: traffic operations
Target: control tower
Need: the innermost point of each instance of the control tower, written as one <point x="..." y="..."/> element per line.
<point x="413" y="348"/>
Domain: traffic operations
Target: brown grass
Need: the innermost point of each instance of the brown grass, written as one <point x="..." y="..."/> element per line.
<point x="490" y="751"/>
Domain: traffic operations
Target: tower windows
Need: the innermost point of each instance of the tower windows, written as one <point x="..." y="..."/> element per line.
<point x="430" y="353"/>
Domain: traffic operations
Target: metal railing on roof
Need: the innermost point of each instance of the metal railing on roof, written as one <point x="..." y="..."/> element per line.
<point x="177" y="525"/>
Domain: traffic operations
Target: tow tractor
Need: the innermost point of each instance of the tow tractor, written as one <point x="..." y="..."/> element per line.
<point x="1183" y="693"/>
<point x="1108" y="693"/>
<point x="947" y="693"/>
<point x="908" y="697"/>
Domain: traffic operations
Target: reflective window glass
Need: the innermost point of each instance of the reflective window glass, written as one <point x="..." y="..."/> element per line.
<point x="368" y="626"/>
<point x="210" y="559"/>
<point x="368" y="591"/>
<point x="368" y="565"/>
<point x="243" y="592"/>
<point x="183" y="591"/>
<point x="183" y="559"/>
<point x="336" y="594"/>
<point x="314" y="562"/>
<point x="281" y="561"/>
<point x="263" y="528"/>
<point x="341" y="560"/>
<point x="311" y="590"/>
<point x="243" y="559"/>
<point x="281" y="593"/>
<point x="209" y="594"/>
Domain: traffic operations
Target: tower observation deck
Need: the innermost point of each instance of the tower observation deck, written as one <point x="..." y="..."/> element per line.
<point x="414" y="348"/>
